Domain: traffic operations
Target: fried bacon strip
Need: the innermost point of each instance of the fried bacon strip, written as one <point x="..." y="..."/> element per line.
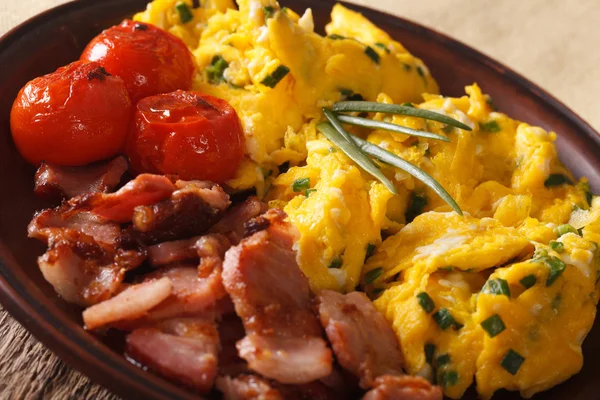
<point x="272" y="297"/>
<point x="405" y="387"/>
<point x="54" y="182"/>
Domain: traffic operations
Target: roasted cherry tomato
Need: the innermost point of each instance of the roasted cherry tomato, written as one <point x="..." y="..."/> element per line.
<point x="150" y="60"/>
<point x="189" y="134"/>
<point x="74" y="116"/>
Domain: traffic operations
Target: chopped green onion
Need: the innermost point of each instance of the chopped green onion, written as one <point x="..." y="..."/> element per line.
<point x="447" y="269"/>
<point x="276" y="76"/>
<point x="308" y="192"/>
<point x="383" y="47"/>
<point x="444" y="319"/>
<point x="448" y="129"/>
<point x="528" y="281"/>
<point x="268" y="12"/>
<point x="370" y="251"/>
<point x="408" y="104"/>
<point x="493" y="325"/>
<point x="557" y="180"/>
<point x="589" y="196"/>
<point x="490" y="102"/>
<point x="346" y="92"/>
<point x="426" y="302"/>
<point x="372" y="275"/>
<point x="564" y="229"/>
<point x="420" y="71"/>
<point x="415" y="207"/>
<point x="185" y="14"/>
<point x="557" y="267"/>
<point x="490" y="127"/>
<point x="407" y="67"/>
<point x="387" y="126"/>
<point x="376" y="292"/>
<point x="214" y="73"/>
<point x="512" y="361"/>
<point x="558" y="247"/>
<point x="448" y="378"/>
<point x="443" y="359"/>
<point x="335" y="36"/>
<point x="367" y="106"/>
<point x="338" y="135"/>
<point x="336" y="263"/>
<point x="372" y="54"/>
<point x="394" y="160"/>
<point x="496" y="286"/>
<point x="429" y="351"/>
<point x="301" y="184"/>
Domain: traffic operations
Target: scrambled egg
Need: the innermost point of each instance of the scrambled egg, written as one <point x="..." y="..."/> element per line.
<point x="503" y="296"/>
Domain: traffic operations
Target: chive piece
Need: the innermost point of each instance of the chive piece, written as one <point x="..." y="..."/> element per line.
<point x="372" y="275"/>
<point x="336" y="263"/>
<point x="370" y="251"/>
<point x="372" y="54"/>
<point x="580" y="231"/>
<point x="383" y="47"/>
<point x="564" y="229"/>
<point x="276" y="76"/>
<point x="528" y="281"/>
<point x="368" y="106"/>
<point x="489" y="127"/>
<point x="448" y="378"/>
<point x="214" y="73"/>
<point x="185" y="14"/>
<point x="589" y="196"/>
<point x="338" y="135"/>
<point x="408" y="104"/>
<point x="415" y="207"/>
<point x="443" y="359"/>
<point x="426" y="302"/>
<point x="558" y="247"/>
<point x="444" y="319"/>
<point x="429" y="351"/>
<point x="335" y="36"/>
<point x="447" y="269"/>
<point x="407" y="67"/>
<point x="496" y="286"/>
<point x="392" y="159"/>
<point x="387" y="126"/>
<point x="268" y="12"/>
<point x="557" y="267"/>
<point x="512" y="361"/>
<point x="308" y="192"/>
<point x="301" y="184"/>
<point x="448" y="129"/>
<point x="493" y="325"/>
<point x="346" y="92"/>
<point x="557" y="180"/>
<point x="490" y="102"/>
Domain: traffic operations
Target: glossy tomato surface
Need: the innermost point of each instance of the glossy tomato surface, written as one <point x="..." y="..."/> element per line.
<point x="189" y="134"/>
<point x="150" y="60"/>
<point x="74" y="116"/>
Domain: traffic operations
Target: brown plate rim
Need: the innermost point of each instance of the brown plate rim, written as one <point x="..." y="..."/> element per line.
<point x="113" y="371"/>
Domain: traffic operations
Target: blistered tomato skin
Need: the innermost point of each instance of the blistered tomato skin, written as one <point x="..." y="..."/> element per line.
<point x="150" y="60"/>
<point x="74" y="116"/>
<point x="189" y="134"/>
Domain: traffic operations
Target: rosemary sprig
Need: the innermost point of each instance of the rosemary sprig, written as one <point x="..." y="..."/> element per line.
<point x="368" y="106"/>
<point x="334" y="131"/>
<point x="369" y="123"/>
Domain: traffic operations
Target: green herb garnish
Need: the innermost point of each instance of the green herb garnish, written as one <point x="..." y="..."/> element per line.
<point x="489" y="127"/>
<point x="370" y="251"/>
<point x="368" y="106"/>
<point x="336" y="263"/>
<point x="512" y="361"/>
<point x="215" y="71"/>
<point x="557" y="267"/>
<point x="558" y="247"/>
<point x="372" y="54"/>
<point x="308" y="192"/>
<point x="425" y="302"/>
<point x="448" y="378"/>
<point x="383" y="47"/>
<point x="372" y="275"/>
<point x="185" y="14"/>
<point x="564" y="229"/>
<point x="301" y="184"/>
<point x="335" y="36"/>
<point x="443" y="359"/>
<point x="497" y="286"/>
<point x="557" y="180"/>
<point x="493" y="325"/>
<point x="429" y="351"/>
<point x="276" y="76"/>
<point x="528" y="281"/>
<point x="387" y="126"/>
<point x="444" y="319"/>
<point x="268" y="11"/>
<point x="415" y="207"/>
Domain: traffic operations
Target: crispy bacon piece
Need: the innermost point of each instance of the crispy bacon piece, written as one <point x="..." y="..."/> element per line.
<point x="232" y="223"/>
<point x="247" y="387"/>
<point x="405" y="387"/>
<point x="189" y="211"/>
<point x="362" y="340"/>
<point x="54" y="182"/>
<point x="184" y="350"/>
<point x="272" y="296"/>
<point x="145" y="189"/>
